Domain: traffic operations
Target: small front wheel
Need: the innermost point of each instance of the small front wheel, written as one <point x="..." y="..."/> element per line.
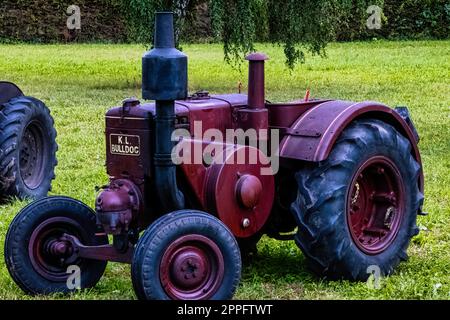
<point x="38" y="258"/>
<point x="186" y="255"/>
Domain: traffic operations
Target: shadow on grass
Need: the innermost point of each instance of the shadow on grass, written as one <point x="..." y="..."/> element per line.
<point x="285" y="263"/>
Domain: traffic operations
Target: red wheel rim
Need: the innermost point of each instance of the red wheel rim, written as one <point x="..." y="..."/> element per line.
<point x="375" y="205"/>
<point x="49" y="255"/>
<point x="192" y="268"/>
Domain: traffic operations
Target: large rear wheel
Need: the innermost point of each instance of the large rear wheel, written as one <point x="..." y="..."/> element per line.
<point x="358" y="208"/>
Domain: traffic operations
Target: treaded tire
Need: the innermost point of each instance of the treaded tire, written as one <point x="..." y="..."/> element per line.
<point x="323" y="190"/>
<point x="151" y="247"/>
<point x="18" y="238"/>
<point x="23" y="175"/>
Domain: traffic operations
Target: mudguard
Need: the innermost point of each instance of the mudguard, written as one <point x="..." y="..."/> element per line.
<point x="313" y="135"/>
<point x="8" y="91"/>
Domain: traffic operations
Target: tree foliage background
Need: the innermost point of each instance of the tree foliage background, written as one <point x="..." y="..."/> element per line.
<point x="299" y="26"/>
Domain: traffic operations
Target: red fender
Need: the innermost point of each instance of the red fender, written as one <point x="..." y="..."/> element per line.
<point x="313" y="135"/>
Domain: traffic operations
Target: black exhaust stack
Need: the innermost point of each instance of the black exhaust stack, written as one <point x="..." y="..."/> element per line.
<point x="164" y="79"/>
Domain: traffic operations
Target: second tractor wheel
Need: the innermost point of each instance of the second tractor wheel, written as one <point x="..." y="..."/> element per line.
<point x="186" y="255"/>
<point x="38" y="257"/>
<point x="27" y="148"/>
<point x="358" y="208"/>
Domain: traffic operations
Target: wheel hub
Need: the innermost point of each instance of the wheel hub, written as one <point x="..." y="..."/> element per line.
<point x="57" y="248"/>
<point x="189" y="267"/>
<point x="49" y="254"/>
<point x="192" y="267"/>
<point x="375" y="207"/>
<point x="31" y="159"/>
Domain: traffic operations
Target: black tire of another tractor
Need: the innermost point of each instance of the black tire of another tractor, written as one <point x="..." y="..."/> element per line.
<point x="323" y="233"/>
<point x="153" y="243"/>
<point x="16" y="250"/>
<point x="19" y="117"/>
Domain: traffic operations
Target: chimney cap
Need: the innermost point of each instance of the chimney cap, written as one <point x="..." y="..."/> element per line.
<point x="257" y="56"/>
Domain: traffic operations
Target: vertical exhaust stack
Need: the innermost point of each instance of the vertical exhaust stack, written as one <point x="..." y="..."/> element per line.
<point x="164" y="79"/>
<point x="255" y="115"/>
<point x="256" y="87"/>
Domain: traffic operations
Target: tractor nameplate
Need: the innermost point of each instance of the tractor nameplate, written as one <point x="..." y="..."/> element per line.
<point x="124" y="144"/>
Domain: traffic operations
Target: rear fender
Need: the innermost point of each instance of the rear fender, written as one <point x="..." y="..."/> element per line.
<point x="314" y="134"/>
<point x="8" y="91"/>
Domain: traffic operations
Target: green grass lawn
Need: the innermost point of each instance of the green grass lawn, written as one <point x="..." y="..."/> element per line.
<point x="80" y="82"/>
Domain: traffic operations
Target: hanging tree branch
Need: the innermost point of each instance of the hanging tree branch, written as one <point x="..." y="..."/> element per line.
<point x="298" y="25"/>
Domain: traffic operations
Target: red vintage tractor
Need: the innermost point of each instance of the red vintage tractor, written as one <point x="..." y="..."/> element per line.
<point x="27" y="145"/>
<point x="348" y="189"/>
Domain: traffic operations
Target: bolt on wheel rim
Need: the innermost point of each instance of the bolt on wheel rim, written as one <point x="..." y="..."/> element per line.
<point x="375" y="205"/>
<point x="31" y="156"/>
<point x="192" y="268"/>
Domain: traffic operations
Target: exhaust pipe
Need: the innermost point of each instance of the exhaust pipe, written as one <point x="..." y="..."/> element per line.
<point x="255" y="116"/>
<point x="256" y="87"/>
<point x="164" y="79"/>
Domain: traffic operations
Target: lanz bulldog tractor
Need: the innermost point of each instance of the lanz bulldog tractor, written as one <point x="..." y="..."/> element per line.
<point x="348" y="189"/>
<point x="27" y="145"/>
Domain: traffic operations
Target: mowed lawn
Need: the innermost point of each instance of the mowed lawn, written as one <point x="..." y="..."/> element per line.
<point x="80" y="82"/>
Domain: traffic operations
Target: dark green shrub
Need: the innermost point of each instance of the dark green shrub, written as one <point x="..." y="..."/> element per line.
<point x="417" y="19"/>
<point x="45" y="20"/>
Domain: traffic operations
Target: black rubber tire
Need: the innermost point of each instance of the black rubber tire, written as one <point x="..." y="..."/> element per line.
<point x="17" y="241"/>
<point x="16" y="117"/>
<point x="323" y="234"/>
<point x="168" y="228"/>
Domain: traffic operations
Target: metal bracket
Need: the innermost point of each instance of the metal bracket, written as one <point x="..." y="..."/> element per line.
<point x="303" y="133"/>
<point x="103" y="252"/>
